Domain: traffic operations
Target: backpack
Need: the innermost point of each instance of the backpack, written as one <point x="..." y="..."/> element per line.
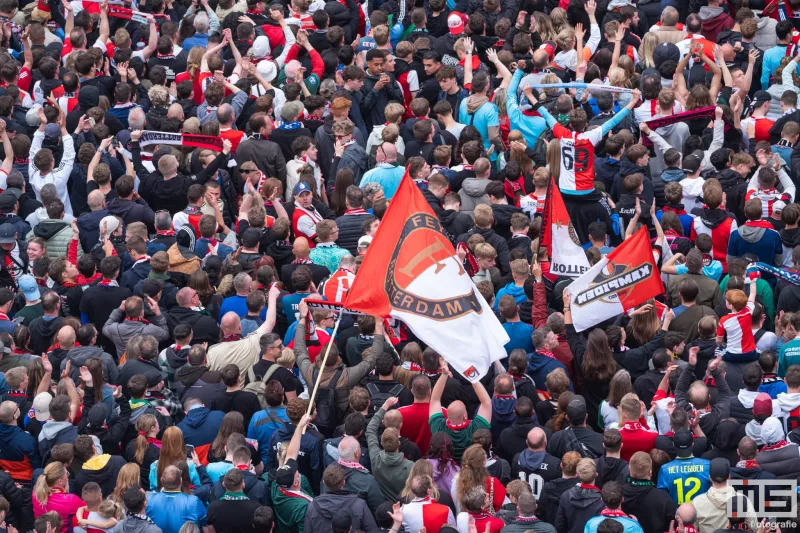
<point x="572" y="444"/>
<point x="377" y="398"/>
<point x="259" y="387"/>
<point x="328" y="416"/>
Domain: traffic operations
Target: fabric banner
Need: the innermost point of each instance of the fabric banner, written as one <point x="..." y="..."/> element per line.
<point x="622" y="280"/>
<point x="181" y="139"/>
<point x="337" y="307"/>
<point x="592" y="87"/>
<point x="127" y="14"/>
<point x="411" y="273"/>
<point x="789" y="276"/>
<point x="702" y="112"/>
<point x="567" y="256"/>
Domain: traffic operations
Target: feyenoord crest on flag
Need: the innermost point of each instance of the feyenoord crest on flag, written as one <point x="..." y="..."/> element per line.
<point x="567" y="256"/>
<point x="412" y="274"/>
<point x="623" y="279"/>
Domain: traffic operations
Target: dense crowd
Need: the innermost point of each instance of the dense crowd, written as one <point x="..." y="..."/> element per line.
<point x="184" y="181"/>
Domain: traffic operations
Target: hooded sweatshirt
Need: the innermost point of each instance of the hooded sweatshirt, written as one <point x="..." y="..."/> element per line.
<point x="757" y="237"/>
<point x="717" y="224"/>
<point x="512" y="290"/>
<point x="391" y="469"/>
<point x="101" y="469"/>
<point x="790" y="237"/>
<point x="58" y="234"/>
<point x="56" y="433"/>
<point x="200" y="382"/>
<point x="789" y="403"/>
<point x="714" y="20"/>
<point x="653" y="507"/>
<point x="473" y="193"/>
<point x="503" y="414"/>
<point x="80" y="354"/>
<point x="692" y="190"/>
<point x="576" y="507"/>
<point x="321" y="511"/>
<point x="711" y="509"/>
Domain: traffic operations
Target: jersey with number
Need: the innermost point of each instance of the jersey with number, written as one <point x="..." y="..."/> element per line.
<point x="685" y="478"/>
<point x="739" y="330"/>
<point x="577" y="159"/>
<point x="335" y="287"/>
<point x="767" y="196"/>
<point x="535" y="468"/>
<point x="531" y="204"/>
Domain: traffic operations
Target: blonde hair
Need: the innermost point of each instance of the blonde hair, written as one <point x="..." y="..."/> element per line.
<point x="473" y="471"/>
<point x="566" y="39"/>
<point x="560" y="20"/>
<point x="143" y="425"/>
<point x="544" y="26"/>
<point x="525" y="162"/>
<point x="551" y="78"/>
<point x="286" y="359"/>
<point x="618" y="78"/>
<point x="499" y="100"/>
<point x="554" y="157"/>
<point x="194" y="60"/>
<point x="53" y="473"/>
<point x="646" y="49"/>
<point x="422" y="467"/>
<point x="129" y="475"/>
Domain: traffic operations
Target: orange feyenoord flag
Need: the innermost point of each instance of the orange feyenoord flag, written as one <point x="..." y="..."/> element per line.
<point x="567" y="256"/>
<point x="412" y="273"/>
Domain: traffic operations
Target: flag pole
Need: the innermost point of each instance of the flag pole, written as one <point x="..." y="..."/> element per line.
<point x="324" y="360"/>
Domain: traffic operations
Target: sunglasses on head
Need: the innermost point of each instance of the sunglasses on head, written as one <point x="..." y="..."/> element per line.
<point x="247" y="170"/>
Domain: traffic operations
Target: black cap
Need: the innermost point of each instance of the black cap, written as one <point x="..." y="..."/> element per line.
<point x="8" y="233"/>
<point x="284" y="475"/>
<point x="666" y="52"/>
<point x="760" y="97"/>
<point x="153" y="379"/>
<point x="720" y="470"/>
<point x="576" y="409"/>
<point x="185" y="236"/>
<point x="97" y="415"/>
<point x="683" y="442"/>
<point x="7" y="201"/>
<point x="692" y="162"/>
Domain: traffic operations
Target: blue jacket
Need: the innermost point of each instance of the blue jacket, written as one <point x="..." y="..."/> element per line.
<point x="200" y="428"/>
<point x="763" y="242"/>
<point x="201" y="249"/>
<point x="539" y="366"/>
<point x="170" y="510"/>
<point x="519" y="334"/>
<point x="19" y="454"/>
<point x="629" y="524"/>
<point x="772" y="385"/>
<point x="503" y="414"/>
<point x="194" y="477"/>
<point x="531" y="127"/>
<point x="263" y="424"/>
<point x="517" y="292"/>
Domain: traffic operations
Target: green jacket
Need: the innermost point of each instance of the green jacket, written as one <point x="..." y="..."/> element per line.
<point x="290" y="508"/>
<point x="391" y="469"/>
<point x="58" y="235"/>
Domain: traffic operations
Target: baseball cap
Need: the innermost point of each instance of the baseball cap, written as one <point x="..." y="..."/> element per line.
<point x="720" y="469"/>
<point x="692" y="162"/>
<point x="666" y="52"/>
<point x="762" y="405"/>
<point x="299" y="189"/>
<point x="290" y="111"/>
<point x="778" y="206"/>
<point x="261" y="47"/>
<point x="683" y="441"/>
<point x="27" y="284"/>
<point x="7" y="233"/>
<point x="772" y="431"/>
<point x="97" y="415"/>
<point x="151" y="287"/>
<point x="111" y="222"/>
<point x="284" y="475"/>
<point x="7" y="201"/>
<point x="455" y="23"/>
<point x="760" y="97"/>
<point x="41" y="406"/>
<point x="153" y="379"/>
<point x="364" y="241"/>
<point x="52" y="131"/>
<point x="576" y="409"/>
<point x="185" y="236"/>
<point x="17" y="193"/>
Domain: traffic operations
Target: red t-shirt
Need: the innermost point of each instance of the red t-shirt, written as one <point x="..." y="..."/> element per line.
<point x="415" y="424"/>
<point x="635" y="438"/>
<point x="234" y="136"/>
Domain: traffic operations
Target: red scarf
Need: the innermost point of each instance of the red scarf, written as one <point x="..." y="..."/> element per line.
<point x="165" y="232"/>
<point x="243" y="468"/>
<point x="759" y="224"/>
<point x="104" y="282"/>
<point x="614" y="513"/>
<point x="356" y="466"/>
<point x="590" y="487"/>
<point x="525" y="519"/>
<point x="69" y="284"/>
<point x="476" y="63"/>
<point x="775" y="446"/>
<point x="689" y="529"/>
<point x="138" y="319"/>
<point x="3" y="316"/>
<point x="749" y="463"/>
<point x="546" y="353"/>
<point x="231" y="338"/>
<point x="356" y="211"/>
<point x="457" y="427"/>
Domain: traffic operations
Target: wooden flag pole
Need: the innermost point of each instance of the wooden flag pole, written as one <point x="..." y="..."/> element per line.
<point x="322" y="368"/>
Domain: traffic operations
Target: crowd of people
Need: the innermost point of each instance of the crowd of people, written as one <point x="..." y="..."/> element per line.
<point x="184" y="181"/>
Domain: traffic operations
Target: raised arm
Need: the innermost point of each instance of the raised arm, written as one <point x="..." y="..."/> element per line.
<point x="501" y="69"/>
<point x="617" y="47"/>
<point x="485" y="409"/>
<point x="272" y="310"/>
<point x="104" y="29"/>
<point x="435" y="405"/>
<point x="748" y="75"/>
<point x="293" y="450"/>
<point x="152" y="41"/>
<point x="8" y="152"/>
<point x="468" y="48"/>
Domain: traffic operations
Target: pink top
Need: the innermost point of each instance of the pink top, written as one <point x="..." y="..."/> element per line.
<point x="66" y="505"/>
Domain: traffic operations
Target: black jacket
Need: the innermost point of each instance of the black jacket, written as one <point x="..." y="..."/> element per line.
<point x="133" y="367"/>
<point x="102" y="470"/>
<point x="349" y="226"/>
<point x="647" y="384"/>
<point x="735" y="187"/>
<point x="653" y="507"/>
<point x="498" y="243"/>
<point x="557" y="444"/>
<point x="20" y="226"/>
<point x="318" y="273"/>
<point x="320" y="512"/>
<point x="254" y="488"/>
<point x="502" y="218"/>
<point x="266" y="154"/>
<point x="89" y="225"/>
<point x="374" y="101"/>
<point x="43" y="332"/>
<point x="200" y="382"/>
<point x="700" y="445"/>
<point x="204" y="328"/>
<point x="576" y="507"/>
<point x="549" y="498"/>
<point x="21" y="512"/>
<point x="132" y="211"/>
<point x="611" y="469"/>
<point x="135" y="274"/>
<point x="512" y="439"/>
<point x="720" y="409"/>
<point x="6" y="278"/>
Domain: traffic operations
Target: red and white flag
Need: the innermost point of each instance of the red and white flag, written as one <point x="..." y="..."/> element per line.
<point x="412" y="273"/>
<point x="623" y="279"/>
<point x="567" y="256"/>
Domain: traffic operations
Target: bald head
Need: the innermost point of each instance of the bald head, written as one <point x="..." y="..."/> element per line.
<point x="349" y="449"/>
<point x="171" y="478"/>
<point x="688" y="513"/>
<point x="231" y="324"/>
<point x="387" y="153"/>
<point x="300" y="248"/>
<point x="66" y="335"/>
<point x="7" y="411"/>
<point x="537" y="440"/>
<point x="175" y="111"/>
<point x="96" y="200"/>
<point x="225" y="115"/>
<point x="184" y="297"/>
<point x="457" y="412"/>
<point x="540" y="58"/>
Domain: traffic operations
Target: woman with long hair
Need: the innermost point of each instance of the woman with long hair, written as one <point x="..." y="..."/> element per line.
<point x="517" y="153"/>
<point x="192" y="72"/>
<point x="411" y="356"/>
<point x="173" y="450"/>
<point x="145" y="448"/>
<point x="544" y="26"/>
<point x="232" y="422"/>
<point x="344" y="178"/>
<point x="554" y="159"/>
<point x="128" y="477"/>
<point x="103" y="393"/>
<point x="499" y="99"/>
<point x="199" y="281"/>
<point x="620" y="386"/>
<point x="594" y="361"/>
<point x="440" y="455"/>
<point x="203" y="489"/>
<point x="646" y="49"/>
<point x="474" y="474"/>
<point x="35" y="376"/>
<point x="643" y="326"/>
<point x="559" y="420"/>
<point x="51" y="493"/>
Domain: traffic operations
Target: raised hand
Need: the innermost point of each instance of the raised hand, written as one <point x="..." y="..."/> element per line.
<point x="693" y="351"/>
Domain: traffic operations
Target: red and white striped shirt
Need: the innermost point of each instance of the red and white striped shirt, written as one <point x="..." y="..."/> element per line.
<point x="739" y="328"/>
<point x="424" y="512"/>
